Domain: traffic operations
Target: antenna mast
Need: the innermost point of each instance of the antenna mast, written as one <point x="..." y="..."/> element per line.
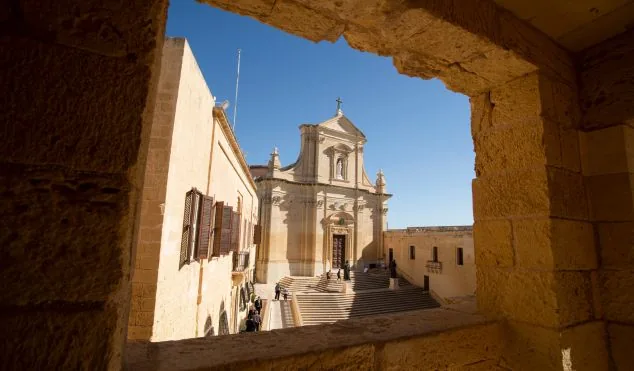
<point x="235" y="103"/>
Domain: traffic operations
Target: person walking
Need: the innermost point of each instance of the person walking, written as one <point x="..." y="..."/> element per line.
<point x="339" y="275"/>
<point x="285" y="292"/>
<point x="328" y="275"/>
<point x="278" y="288"/>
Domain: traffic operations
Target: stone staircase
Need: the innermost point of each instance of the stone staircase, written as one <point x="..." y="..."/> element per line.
<point x="319" y="308"/>
<point x="359" y="281"/>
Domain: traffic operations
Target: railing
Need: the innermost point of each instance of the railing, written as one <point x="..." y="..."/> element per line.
<point x="240" y="261"/>
<point x="434" y="266"/>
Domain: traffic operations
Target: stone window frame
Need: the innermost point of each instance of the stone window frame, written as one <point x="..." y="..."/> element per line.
<point x="412" y="252"/>
<point x="336" y="153"/>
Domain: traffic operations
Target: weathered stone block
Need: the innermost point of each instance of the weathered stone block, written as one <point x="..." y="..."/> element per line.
<point x="616" y="245"/>
<point x="299" y="20"/>
<point x="607" y="151"/>
<point x="513" y="193"/>
<point x="554" y="244"/>
<point x="61" y="235"/>
<point x="445" y="350"/>
<point x="611" y="197"/>
<point x="621" y="344"/>
<point x="617" y="295"/>
<point x="550" y="299"/>
<point x="117" y="28"/>
<point x="67" y="336"/>
<point x="581" y="347"/>
<point x="518" y="101"/>
<point x="607" y="79"/>
<point x="493" y="243"/>
<point x="567" y="194"/>
<point x="511" y="147"/>
<point x="139" y="333"/>
<point x="81" y="130"/>
<point x="481" y="113"/>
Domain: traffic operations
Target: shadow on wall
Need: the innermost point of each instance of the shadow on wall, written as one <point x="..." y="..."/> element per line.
<point x="223" y="325"/>
<point x="209" y="327"/>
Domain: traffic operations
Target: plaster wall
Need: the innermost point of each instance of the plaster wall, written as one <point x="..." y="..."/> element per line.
<point x="172" y="302"/>
<point x="452" y="280"/>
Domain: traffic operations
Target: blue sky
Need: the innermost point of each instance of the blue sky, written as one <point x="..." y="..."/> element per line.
<point x="417" y="130"/>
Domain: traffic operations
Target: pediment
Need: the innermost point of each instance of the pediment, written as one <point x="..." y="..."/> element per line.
<point x="342" y="124"/>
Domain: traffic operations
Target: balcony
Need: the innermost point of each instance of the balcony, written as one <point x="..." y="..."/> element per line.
<point x="434" y="266"/>
<point x="240" y="261"/>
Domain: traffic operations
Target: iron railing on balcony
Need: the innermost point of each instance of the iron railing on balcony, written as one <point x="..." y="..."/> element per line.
<point x="240" y="261"/>
<point x="434" y="266"/>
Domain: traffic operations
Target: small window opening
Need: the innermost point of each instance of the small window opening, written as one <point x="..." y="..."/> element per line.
<point x="412" y="252"/>
<point x="434" y="254"/>
<point x="459" y="256"/>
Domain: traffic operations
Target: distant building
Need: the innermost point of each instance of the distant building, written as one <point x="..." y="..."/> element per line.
<point x="194" y="253"/>
<point x="440" y="259"/>
<point x="322" y="210"/>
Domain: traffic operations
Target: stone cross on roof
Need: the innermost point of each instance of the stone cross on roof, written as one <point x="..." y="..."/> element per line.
<point x="339" y="102"/>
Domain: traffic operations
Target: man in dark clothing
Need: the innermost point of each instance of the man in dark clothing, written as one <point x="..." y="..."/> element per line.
<point x="278" y="288"/>
<point x="328" y="275"/>
<point x="258" y="304"/>
<point x="251" y="327"/>
<point x="339" y="275"/>
<point x="258" y="321"/>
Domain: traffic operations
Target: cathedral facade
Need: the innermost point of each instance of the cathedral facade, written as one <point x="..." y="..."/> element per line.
<point x="322" y="210"/>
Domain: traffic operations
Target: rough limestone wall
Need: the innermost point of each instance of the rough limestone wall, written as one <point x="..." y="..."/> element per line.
<point x="471" y="46"/>
<point x="78" y="81"/>
<point x="535" y="249"/>
<point x="436" y="339"/>
<point x="148" y="243"/>
<point x="177" y="287"/>
<point x="607" y="147"/>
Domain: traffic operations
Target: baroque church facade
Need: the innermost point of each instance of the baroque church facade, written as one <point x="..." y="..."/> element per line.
<point x="322" y="210"/>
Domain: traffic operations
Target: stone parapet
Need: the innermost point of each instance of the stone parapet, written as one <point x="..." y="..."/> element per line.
<point x="449" y="339"/>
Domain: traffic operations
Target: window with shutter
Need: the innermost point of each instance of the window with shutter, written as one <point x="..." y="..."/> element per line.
<point x="206" y="226"/>
<point x="186" y="237"/>
<point x="218" y="228"/>
<point x="225" y="234"/>
<point x="235" y="232"/>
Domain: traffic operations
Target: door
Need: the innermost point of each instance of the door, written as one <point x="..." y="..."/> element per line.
<point x="338" y="250"/>
<point x="426" y="283"/>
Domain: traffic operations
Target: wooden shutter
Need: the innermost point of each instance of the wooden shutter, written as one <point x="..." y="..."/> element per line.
<point x="186" y="237"/>
<point x="235" y="232"/>
<point x="205" y="227"/>
<point x="218" y="228"/>
<point x="225" y="234"/>
<point x="257" y="234"/>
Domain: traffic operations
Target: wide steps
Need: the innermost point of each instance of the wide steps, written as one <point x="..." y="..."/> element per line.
<point x="322" y="308"/>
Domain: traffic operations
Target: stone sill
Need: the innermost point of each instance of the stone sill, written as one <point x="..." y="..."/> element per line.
<point x="428" y="339"/>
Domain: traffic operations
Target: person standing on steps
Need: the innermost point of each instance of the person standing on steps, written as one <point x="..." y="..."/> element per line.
<point x="258" y="304"/>
<point x="278" y="288"/>
<point x="328" y="276"/>
<point x="339" y="275"/>
<point x="285" y="292"/>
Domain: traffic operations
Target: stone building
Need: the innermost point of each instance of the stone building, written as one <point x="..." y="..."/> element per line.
<point x="195" y="255"/>
<point x="322" y="210"/>
<point x="551" y="91"/>
<point x="439" y="259"/>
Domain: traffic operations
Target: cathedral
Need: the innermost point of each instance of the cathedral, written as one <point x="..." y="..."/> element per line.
<point x="321" y="211"/>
